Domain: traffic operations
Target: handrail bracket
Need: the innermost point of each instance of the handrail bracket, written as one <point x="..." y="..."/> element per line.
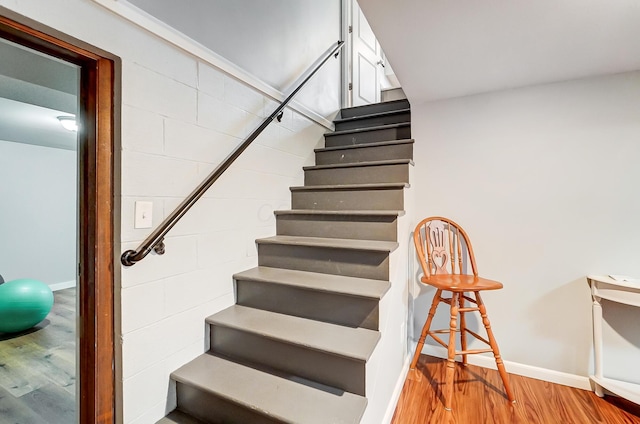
<point x="159" y="247"/>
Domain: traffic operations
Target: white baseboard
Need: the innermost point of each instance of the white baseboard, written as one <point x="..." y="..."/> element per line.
<point x="63" y="285"/>
<point x="552" y="376"/>
<point x="397" y="391"/>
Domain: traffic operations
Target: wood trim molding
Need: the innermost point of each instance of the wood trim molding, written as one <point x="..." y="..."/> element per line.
<point x="96" y="227"/>
<point x="26" y="33"/>
<point x="96" y="245"/>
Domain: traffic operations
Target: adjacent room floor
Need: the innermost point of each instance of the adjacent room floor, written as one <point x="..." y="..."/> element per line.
<point x="38" y="368"/>
<point x="479" y="399"/>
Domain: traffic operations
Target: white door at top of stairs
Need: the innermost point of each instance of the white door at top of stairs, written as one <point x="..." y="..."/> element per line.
<point x="366" y="60"/>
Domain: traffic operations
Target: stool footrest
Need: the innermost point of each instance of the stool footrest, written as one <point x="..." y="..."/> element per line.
<point x="447" y="331"/>
<point x="468" y="309"/>
<point x="438" y="339"/>
<point x="478" y="336"/>
<point x="472" y="351"/>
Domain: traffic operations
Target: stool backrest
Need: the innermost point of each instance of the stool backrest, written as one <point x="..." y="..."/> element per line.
<point x="443" y="247"/>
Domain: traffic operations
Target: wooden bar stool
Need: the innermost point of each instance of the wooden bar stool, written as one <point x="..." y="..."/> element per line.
<point x="444" y="251"/>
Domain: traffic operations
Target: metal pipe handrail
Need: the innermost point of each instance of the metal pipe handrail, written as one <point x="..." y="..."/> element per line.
<point x="155" y="240"/>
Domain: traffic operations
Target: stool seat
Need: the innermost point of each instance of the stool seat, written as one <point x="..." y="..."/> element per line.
<point x="461" y="282"/>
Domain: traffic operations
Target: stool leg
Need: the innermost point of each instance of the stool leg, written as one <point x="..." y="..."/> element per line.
<point x="463" y="328"/>
<point x="451" y="357"/>
<point x="425" y="329"/>
<point x="494" y="347"/>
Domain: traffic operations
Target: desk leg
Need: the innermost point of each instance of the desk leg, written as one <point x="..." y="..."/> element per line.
<point x="597" y="342"/>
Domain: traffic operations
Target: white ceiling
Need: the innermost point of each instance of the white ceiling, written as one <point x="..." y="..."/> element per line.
<point x="34" y="90"/>
<point x="442" y="49"/>
<point x="30" y="124"/>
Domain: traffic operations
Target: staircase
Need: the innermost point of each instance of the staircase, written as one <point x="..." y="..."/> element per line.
<point x="297" y="346"/>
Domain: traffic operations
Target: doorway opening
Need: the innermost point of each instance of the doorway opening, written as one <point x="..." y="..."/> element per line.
<point x="369" y="76"/>
<point x="93" y="262"/>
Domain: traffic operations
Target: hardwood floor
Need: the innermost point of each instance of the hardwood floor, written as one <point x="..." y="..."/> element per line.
<point x="479" y="399"/>
<point x="38" y="368"/>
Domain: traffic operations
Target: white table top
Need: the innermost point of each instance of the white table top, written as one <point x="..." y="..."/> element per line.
<point x="634" y="284"/>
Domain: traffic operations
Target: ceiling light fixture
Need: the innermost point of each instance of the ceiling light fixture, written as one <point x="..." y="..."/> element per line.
<point x="68" y="122"/>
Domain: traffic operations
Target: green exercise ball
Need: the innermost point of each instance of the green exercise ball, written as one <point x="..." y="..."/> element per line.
<point x="23" y="304"/>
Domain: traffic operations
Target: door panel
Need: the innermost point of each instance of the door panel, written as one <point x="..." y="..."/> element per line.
<point x="367" y="86"/>
<point x="366" y="60"/>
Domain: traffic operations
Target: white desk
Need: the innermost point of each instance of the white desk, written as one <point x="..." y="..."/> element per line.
<point x="604" y="287"/>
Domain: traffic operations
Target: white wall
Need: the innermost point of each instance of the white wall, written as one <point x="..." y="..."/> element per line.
<point x="545" y="181"/>
<point x="389" y="363"/>
<point x="37" y="213"/>
<point x="274" y="40"/>
<point x="180" y="117"/>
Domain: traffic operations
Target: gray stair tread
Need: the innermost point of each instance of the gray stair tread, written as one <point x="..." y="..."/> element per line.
<point x="352" y="244"/>
<point x="361" y="164"/>
<point x="339" y="284"/>
<point x="366" y="146"/>
<point x="354" y="343"/>
<point x="335" y="187"/>
<point x="339" y="212"/>
<point x="179" y="417"/>
<point x="367" y="129"/>
<point x="373" y="115"/>
<point x="400" y="102"/>
<point x="277" y="397"/>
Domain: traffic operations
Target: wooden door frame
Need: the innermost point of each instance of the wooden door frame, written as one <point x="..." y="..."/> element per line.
<point x="345" y="65"/>
<point x="96" y="354"/>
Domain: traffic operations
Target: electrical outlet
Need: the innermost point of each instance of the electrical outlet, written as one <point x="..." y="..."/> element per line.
<point x="143" y="215"/>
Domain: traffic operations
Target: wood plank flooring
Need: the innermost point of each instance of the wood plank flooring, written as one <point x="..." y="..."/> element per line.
<point x="38" y="368"/>
<point x="479" y="399"/>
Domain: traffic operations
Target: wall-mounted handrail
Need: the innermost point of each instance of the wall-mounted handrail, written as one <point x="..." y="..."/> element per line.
<point x="155" y="240"/>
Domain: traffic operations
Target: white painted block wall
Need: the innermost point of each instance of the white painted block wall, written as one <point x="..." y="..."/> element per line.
<point x="180" y="118"/>
<point x="273" y="36"/>
<point x="545" y="181"/>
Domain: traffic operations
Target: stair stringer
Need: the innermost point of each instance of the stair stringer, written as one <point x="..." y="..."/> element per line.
<point x="387" y="367"/>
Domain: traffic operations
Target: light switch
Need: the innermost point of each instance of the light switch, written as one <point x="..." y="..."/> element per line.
<point x="143" y="215"/>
